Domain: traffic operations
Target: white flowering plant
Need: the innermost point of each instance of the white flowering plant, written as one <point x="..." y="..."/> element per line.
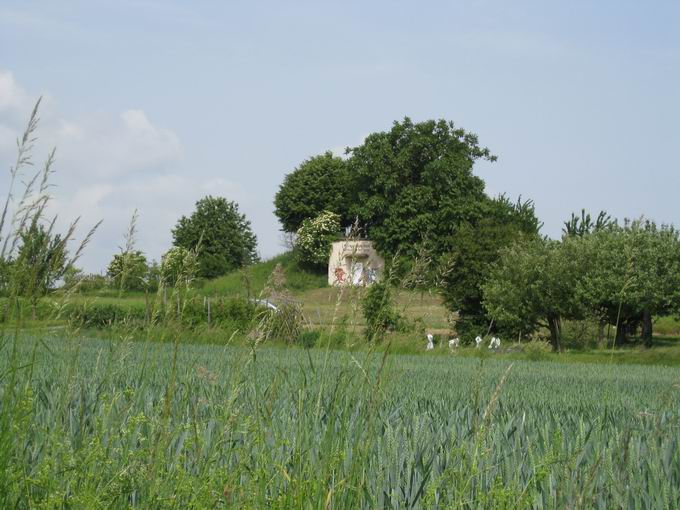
<point x="314" y="239"/>
<point x="179" y="267"/>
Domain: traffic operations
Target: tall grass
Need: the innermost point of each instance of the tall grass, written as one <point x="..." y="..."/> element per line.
<point x="111" y="423"/>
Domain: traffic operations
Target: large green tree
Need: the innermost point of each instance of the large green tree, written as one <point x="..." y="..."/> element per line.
<point x="474" y="246"/>
<point x="633" y="274"/>
<point x="414" y="183"/>
<point x="534" y="284"/>
<point x="623" y="276"/>
<point x="319" y="184"/>
<point x="219" y="234"/>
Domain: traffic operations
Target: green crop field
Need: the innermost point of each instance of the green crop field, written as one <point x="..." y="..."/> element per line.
<point x="89" y="423"/>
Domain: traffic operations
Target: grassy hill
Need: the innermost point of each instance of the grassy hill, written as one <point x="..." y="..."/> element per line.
<point x="323" y="305"/>
<point x="254" y="278"/>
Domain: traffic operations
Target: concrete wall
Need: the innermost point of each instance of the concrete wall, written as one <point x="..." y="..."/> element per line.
<point x="354" y="263"/>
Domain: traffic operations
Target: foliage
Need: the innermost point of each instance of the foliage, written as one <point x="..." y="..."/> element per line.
<point x="319" y="184"/>
<point x="32" y="256"/>
<point x="633" y="273"/>
<point x="5" y="276"/>
<point x="314" y="239"/>
<point x="579" y="226"/>
<point x="41" y="261"/>
<point x="379" y="311"/>
<point x="179" y="267"/>
<point x="621" y="276"/>
<point x="309" y="339"/>
<point x="475" y="247"/>
<point x="415" y="183"/>
<point x="89" y="283"/>
<point x="219" y="234"/>
<point x="283" y="324"/>
<point x="228" y="314"/>
<point x="128" y="271"/>
<point x="532" y="285"/>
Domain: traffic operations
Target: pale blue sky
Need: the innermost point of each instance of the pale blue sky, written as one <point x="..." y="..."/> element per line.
<point x="153" y="104"/>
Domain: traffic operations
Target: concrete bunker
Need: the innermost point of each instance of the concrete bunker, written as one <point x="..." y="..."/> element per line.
<point x="354" y="262"/>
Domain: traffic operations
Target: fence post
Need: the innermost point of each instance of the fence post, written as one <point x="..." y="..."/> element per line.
<point x="208" y="311"/>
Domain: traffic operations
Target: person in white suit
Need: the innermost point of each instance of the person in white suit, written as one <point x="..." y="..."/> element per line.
<point x="430" y="342"/>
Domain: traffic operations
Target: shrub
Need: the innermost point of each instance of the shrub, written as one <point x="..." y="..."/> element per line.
<point x="309" y="339"/>
<point x="18" y="308"/>
<point x="314" y="239"/>
<point x="103" y="315"/>
<point x="379" y="312"/>
<point x="92" y="283"/>
<point x="536" y="350"/>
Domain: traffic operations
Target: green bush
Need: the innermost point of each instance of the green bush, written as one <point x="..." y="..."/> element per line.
<point x="379" y="312"/>
<point x="309" y="339"/>
<point x="236" y="313"/>
<point x="314" y="239"/>
<point x="537" y="350"/>
<point x="17" y="308"/>
<point x="229" y="314"/>
<point x="103" y="315"/>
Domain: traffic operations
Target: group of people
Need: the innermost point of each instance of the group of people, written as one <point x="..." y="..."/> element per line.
<point x="454" y="343"/>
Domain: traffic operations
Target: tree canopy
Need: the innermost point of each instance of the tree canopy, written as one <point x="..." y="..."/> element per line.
<point x="317" y="185"/>
<point x="41" y="260"/>
<point x="128" y="270"/>
<point x="415" y="182"/>
<point x="219" y="234"/>
<point x="619" y="275"/>
<point x="405" y="185"/>
<point x="474" y="246"/>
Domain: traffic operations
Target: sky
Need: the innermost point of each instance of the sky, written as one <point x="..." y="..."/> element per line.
<point x="154" y="104"/>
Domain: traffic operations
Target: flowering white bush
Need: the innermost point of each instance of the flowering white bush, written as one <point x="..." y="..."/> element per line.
<point x="314" y="238"/>
<point x="179" y="266"/>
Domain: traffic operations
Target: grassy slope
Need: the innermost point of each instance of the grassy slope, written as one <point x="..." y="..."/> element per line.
<point x="256" y="276"/>
<point x="323" y="305"/>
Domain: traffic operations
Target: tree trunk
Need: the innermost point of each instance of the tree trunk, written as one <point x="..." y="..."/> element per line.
<point x="647" y="327"/>
<point x="600" y="331"/>
<point x="554" y="326"/>
<point x="621" y="334"/>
